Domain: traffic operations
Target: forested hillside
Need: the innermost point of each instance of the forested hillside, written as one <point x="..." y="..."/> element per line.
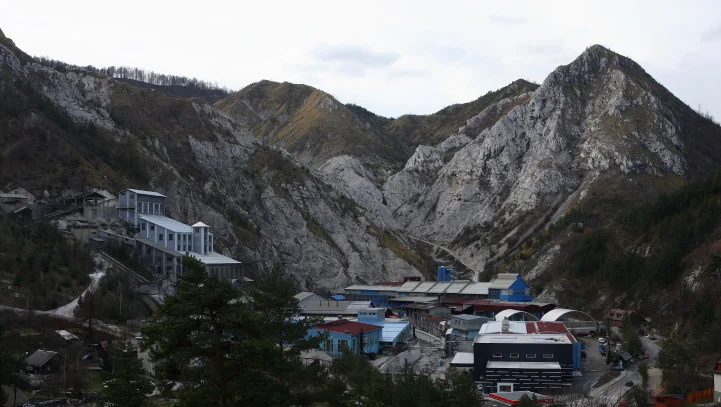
<point x="662" y="257"/>
<point x="39" y="266"/>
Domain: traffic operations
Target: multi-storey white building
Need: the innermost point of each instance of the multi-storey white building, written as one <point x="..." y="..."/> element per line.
<point x="163" y="241"/>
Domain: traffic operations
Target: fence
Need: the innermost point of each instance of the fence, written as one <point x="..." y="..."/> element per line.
<point x="701" y="395"/>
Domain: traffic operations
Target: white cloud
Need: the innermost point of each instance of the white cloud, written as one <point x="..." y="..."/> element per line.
<point x="390" y="57"/>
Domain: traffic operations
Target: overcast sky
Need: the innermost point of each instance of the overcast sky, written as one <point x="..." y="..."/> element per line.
<point x="392" y="57"/>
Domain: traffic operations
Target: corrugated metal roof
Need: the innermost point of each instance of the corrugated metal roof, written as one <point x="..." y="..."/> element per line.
<point x="141" y="192"/>
<point x="504" y="280"/>
<point x="476" y="289"/>
<point x="439" y="288"/>
<point x="213" y="258"/>
<point x="40" y="357"/>
<point x="385" y="288"/>
<point x="424" y="287"/>
<point x="408" y="286"/>
<point x="455" y="288"/>
<point x="392" y="330"/>
<point x="167" y="223"/>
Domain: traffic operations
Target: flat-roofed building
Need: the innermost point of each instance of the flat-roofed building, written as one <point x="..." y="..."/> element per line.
<point x="525" y="356"/>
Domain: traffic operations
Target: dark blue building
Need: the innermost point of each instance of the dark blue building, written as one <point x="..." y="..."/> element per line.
<point x="509" y="287"/>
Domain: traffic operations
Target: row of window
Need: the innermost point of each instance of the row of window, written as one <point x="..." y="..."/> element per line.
<point x="150" y="208"/>
<point x="528" y="355"/>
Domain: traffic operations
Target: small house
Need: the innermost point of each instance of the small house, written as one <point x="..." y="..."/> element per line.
<point x="44" y="362"/>
<point x="348" y="336"/>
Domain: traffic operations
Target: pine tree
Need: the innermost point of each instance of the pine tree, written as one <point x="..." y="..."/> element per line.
<point x="127" y="384"/>
<point x="193" y="337"/>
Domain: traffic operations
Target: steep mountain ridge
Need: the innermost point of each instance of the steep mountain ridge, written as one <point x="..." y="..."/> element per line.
<point x="287" y="174"/>
<point x="74" y="130"/>
<point x="311" y="124"/>
<point x="599" y="125"/>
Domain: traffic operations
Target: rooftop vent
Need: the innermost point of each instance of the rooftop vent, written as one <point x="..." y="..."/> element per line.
<point x="505" y="325"/>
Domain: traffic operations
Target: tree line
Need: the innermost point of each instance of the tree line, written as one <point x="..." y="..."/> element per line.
<point x="238" y="348"/>
<point x="137" y="74"/>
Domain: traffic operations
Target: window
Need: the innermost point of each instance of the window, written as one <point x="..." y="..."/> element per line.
<point x="144" y="207"/>
<point x="196" y="230"/>
<point x="530" y="355"/>
<point x="497" y="355"/>
<point x="160" y="236"/>
<point x="152" y="227"/>
<point x="328" y="345"/>
<point x="548" y="355"/>
<point x="514" y="355"/>
<point x="132" y="196"/>
<point x="142" y="226"/>
<point x="170" y="237"/>
<point x="156" y="209"/>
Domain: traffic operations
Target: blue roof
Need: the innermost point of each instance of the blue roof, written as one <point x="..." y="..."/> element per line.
<point x="338" y="297"/>
<point x="391" y="330"/>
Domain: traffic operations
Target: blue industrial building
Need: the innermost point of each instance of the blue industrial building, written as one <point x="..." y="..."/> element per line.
<point x="393" y="331"/>
<point x="348" y="336"/>
<point x="509" y="287"/>
<point x="445" y="273"/>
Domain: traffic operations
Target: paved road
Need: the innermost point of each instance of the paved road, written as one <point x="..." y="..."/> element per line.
<point x="652" y="348"/>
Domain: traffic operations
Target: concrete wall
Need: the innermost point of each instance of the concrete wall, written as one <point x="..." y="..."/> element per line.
<point x="396" y="364"/>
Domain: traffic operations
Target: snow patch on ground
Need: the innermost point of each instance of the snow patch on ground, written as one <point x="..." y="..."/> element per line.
<point x="68" y="310"/>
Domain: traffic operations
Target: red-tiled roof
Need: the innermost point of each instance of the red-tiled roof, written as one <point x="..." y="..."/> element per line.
<point x="343" y="325"/>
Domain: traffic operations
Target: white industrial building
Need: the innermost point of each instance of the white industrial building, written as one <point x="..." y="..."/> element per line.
<point x="163" y="241"/>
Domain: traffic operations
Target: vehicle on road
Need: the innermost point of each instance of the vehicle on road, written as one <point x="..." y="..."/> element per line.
<point x="601" y="340"/>
<point x="618" y="368"/>
<point x="629" y="383"/>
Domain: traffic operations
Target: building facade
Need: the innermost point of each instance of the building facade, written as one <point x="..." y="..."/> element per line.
<point x="163" y="242"/>
<point x="525" y="356"/>
<point x="135" y="202"/>
<point x="348" y="336"/>
<point x="509" y="287"/>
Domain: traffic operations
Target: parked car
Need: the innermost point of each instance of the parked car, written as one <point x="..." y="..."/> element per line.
<point x="629" y="383"/>
<point x="601" y="340"/>
<point x="617" y="367"/>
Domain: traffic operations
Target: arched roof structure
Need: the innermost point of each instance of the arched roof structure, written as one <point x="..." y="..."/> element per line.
<point x="577" y="322"/>
<point x="564" y="314"/>
<point x="515" y="315"/>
